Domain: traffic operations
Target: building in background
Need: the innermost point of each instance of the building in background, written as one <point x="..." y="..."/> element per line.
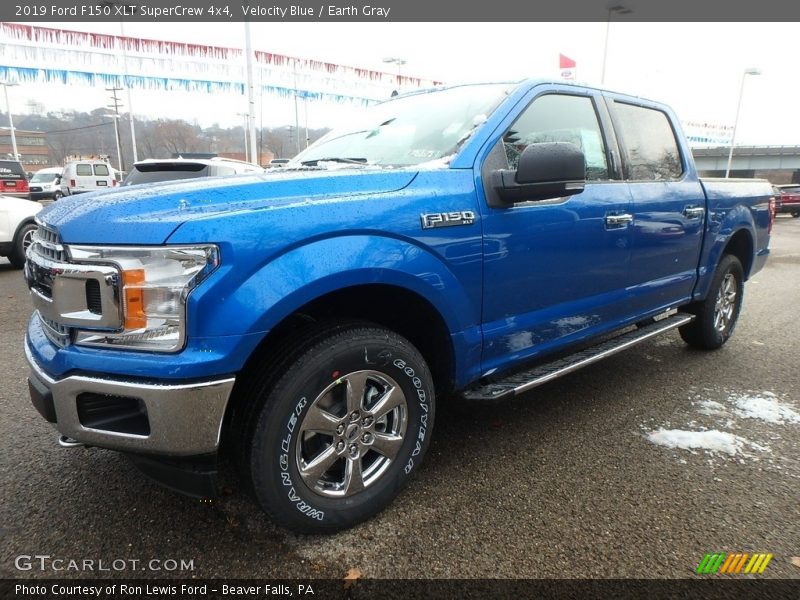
<point x="31" y="146"/>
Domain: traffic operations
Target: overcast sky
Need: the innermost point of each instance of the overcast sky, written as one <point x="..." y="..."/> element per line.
<point x="694" y="67"/>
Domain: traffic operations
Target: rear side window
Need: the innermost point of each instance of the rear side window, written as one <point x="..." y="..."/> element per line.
<point x="83" y="170"/>
<point x="11" y="169"/>
<point x="101" y="170"/>
<point x="651" y="147"/>
<point x="154" y="172"/>
<point x="220" y="170"/>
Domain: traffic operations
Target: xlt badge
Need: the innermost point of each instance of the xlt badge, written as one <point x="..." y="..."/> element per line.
<point x="447" y="219"/>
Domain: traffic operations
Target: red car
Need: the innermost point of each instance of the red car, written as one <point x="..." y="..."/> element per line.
<point x="790" y="199"/>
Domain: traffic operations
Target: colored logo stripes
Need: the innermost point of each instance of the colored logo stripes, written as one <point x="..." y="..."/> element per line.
<point x="740" y="562"/>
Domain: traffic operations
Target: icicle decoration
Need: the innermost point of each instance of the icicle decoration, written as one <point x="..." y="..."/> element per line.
<point x="65" y="38"/>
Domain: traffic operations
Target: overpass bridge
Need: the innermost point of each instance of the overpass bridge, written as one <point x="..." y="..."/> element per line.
<point x="779" y="164"/>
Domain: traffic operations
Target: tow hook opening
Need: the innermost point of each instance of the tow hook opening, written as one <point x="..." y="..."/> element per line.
<point x="68" y="442"/>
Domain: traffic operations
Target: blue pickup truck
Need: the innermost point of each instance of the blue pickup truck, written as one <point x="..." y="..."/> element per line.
<point x="473" y="241"/>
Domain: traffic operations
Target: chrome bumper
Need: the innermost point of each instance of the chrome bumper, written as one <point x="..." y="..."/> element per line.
<point x="184" y="419"/>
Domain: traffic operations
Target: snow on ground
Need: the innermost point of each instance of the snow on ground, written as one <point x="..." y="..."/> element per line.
<point x="709" y="429"/>
<point x="712" y="440"/>
<point x="766" y="407"/>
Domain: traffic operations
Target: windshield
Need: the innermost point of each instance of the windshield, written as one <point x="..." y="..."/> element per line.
<point x="41" y="177"/>
<point x="408" y="130"/>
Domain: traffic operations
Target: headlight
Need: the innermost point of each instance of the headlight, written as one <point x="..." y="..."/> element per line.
<point x="154" y="284"/>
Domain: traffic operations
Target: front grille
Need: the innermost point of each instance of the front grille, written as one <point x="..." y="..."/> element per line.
<point x="36" y="189"/>
<point x="47" y="244"/>
<point x="55" y="332"/>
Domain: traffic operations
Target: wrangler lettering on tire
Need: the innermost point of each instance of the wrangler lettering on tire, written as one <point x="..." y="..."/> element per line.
<point x="340" y="429"/>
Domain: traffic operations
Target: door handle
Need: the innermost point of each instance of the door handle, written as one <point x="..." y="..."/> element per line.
<point x="694" y="212"/>
<point x="621" y="220"/>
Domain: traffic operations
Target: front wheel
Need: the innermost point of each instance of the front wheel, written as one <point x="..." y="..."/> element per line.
<point x="716" y="316"/>
<point x="340" y="429"/>
<point x="57" y="196"/>
<point x="796" y="214"/>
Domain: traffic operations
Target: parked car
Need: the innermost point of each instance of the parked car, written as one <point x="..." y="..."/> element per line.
<point x="82" y="176"/>
<point x="13" y="179"/>
<point x="789" y="199"/>
<point x="170" y="169"/>
<point x="474" y="241"/>
<point x="46" y="183"/>
<point x="17" y="226"/>
<point x="776" y="195"/>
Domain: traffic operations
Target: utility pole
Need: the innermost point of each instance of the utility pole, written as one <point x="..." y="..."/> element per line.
<point x="7" y="85"/>
<point x="116" y="106"/>
<point x="251" y="103"/>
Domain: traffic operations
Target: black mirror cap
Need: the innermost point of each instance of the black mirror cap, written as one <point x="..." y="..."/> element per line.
<point x="546" y="171"/>
<point x="550" y="162"/>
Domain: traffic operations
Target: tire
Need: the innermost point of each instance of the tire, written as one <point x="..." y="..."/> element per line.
<point x="366" y="444"/>
<point x="21" y="242"/>
<point x="716" y="316"/>
<point x="57" y="196"/>
<point x="796" y="214"/>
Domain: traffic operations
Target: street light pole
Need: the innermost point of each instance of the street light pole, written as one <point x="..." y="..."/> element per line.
<point x="399" y="62"/>
<point x="246" y="117"/>
<point x="618" y="9"/>
<point x="747" y="72"/>
<point x="7" y="85"/>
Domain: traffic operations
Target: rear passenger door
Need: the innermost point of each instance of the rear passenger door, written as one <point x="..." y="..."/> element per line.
<point x="668" y="206"/>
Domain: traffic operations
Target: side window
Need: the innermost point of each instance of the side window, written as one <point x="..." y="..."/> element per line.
<point x="560" y="118"/>
<point x="220" y="170"/>
<point x="101" y="170"/>
<point x="83" y="170"/>
<point x="652" y="150"/>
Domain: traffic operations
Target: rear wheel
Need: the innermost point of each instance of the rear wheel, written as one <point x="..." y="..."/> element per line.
<point x="338" y="428"/>
<point x="796" y="214"/>
<point x="23" y="239"/>
<point x="716" y="316"/>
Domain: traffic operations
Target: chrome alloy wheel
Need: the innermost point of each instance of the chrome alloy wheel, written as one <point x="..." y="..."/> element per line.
<point x="351" y="433"/>
<point x="726" y="303"/>
<point x="27" y="240"/>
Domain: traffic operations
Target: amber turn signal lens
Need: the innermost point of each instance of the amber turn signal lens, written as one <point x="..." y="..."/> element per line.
<point x="132" y="288"/>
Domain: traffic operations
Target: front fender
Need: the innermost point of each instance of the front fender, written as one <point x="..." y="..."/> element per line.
<point x="267" y="295"/>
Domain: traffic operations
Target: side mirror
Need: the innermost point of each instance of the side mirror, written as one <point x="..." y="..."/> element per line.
<point x="546" y="170"/>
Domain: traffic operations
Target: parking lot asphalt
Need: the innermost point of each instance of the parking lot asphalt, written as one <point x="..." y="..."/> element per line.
<point x="563" y="482"/>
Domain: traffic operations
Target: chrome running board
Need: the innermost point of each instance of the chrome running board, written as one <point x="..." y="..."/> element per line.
<point x="520" y="382"/>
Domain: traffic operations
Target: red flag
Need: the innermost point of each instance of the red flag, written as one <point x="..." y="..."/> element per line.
<point x="565" y="62"/>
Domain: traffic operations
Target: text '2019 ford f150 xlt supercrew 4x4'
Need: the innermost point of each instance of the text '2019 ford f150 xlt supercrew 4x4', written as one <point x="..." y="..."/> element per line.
<point x="475" y="240"/>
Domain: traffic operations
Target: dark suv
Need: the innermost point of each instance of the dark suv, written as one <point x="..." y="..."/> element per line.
<point x="13" y="179"/>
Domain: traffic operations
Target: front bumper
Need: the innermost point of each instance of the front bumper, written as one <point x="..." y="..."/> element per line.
<point x="182" y="419"/>
<point x="41" y="195"/>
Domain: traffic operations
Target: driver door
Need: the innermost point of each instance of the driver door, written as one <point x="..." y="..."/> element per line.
<point x="555" y="270"/>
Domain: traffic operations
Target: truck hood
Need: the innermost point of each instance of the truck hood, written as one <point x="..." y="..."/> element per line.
<point x="148" y="214"/>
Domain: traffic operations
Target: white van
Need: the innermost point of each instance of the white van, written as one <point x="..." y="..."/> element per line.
<point x="87" y="176"/>
<point x="46" y="183"/>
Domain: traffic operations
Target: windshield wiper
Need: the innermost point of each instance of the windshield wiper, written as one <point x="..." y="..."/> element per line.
<point x="350" y="161"/>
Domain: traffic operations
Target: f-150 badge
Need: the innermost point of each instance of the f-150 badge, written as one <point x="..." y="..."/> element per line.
<point x="447" y="219"/>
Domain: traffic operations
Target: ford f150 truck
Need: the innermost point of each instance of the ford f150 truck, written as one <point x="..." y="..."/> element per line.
<point x="473" y="241"/>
